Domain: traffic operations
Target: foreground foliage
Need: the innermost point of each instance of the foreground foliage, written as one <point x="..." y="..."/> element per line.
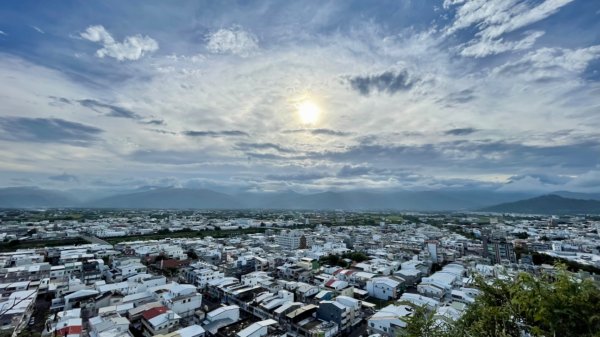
<point x="558" y="305"/>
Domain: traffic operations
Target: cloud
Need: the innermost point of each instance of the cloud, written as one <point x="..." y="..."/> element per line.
<point x="108" y="109"/>
<point x="389" y="82"/>
<point x="460" y="131"/>
<point x="320" y="131"/>
<point x="493" y="19"/>
<point x="132" y="48"/>
<point x="38" y="29"/>
<point x="297" y="176"/>
<point x="352" y="171"/>
<point x="483" y="48"/>
<point x="67" y="178"/>
<point x="154" y="122"/>
<point x="427" y="89"/>
<point x="235" y="40"/>
<point x="45" y="130"/>
<point x="262" y="146"/>
<point x="550" y="63"/>
<point x="168" y="157"/>
<point x="460" y="97"/>
<point x="161" y="131"/>
<point x="226" y="133"/>
<point x="59" y="100"/>
<point x="3" y="33"/>
<point x="478" y="155"/>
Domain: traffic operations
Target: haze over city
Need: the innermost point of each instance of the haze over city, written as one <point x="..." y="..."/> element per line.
<point x="304" y="96"/>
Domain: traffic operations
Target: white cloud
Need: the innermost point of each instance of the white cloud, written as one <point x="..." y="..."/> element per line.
<point x="494" y="19"/>
<point x="545" y="63"/>
<point x="38" y="29"/>
<point x="3" y="33"/>
<point x="256" y="95"/>
<point x="234" y="40"/>
<point x="132" y="47"/>
<point x="482" y="48"/>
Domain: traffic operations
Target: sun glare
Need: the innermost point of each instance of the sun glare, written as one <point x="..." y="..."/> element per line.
<point x="309" y="112"/>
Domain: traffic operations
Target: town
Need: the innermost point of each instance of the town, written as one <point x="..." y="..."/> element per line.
<point x="110" y="273"/>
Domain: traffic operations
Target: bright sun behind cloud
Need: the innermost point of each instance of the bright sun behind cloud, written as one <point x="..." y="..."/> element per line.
<point x="309" y="112"/>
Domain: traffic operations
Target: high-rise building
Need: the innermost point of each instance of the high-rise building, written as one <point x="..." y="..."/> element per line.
<point x="293" y="239"/>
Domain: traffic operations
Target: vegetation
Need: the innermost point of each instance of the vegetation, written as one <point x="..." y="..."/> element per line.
<point x="337" y="260"/>
<point x="522" y="235"/>
<point x="28" y="244"/>
<point x="165" y="234"/>
<point x="192" y="254"/>
<point x="549" y="305"/>
<point x="541" y="258"/>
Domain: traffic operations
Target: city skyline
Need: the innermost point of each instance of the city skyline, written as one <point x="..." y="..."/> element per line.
<point x="304" y="96"/>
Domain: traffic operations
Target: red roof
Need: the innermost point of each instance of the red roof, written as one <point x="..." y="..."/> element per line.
<point x="171" y="263"/>
<point x="151" y="313"/>
<point x="330" y="282"/>
<point x="69" y="330"/>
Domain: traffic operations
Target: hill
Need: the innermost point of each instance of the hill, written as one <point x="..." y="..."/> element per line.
<point x="548" y="204"/>
<point x="176" y="198"/>
<point x="186" y="198"/>
<point x="33" y="197"/>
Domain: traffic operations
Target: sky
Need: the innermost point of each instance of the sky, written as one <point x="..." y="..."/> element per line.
<point x="307" y="96"/>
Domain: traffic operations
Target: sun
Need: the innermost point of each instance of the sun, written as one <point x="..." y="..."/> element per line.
<point x="308" y="112"/>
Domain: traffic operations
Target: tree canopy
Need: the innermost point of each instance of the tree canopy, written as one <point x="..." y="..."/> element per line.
<point x="526" y="305"/>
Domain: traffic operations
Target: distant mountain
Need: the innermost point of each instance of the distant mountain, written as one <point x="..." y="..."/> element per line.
<point x="578" y="195"/>
<point x="548" y="204"/>
<point x="176" y="198"/>
<point x="370" y="200"/>
<point x="184" y="198"/>
<point x="33" y="197"/>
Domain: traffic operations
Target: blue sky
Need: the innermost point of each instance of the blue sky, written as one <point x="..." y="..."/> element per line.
<point x="455" y="94"/>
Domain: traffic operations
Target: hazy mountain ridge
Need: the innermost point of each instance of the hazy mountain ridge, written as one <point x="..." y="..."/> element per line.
<point x="33" y="197"/>
<point x="548" y="204"/>
<point x="167" y="197"/>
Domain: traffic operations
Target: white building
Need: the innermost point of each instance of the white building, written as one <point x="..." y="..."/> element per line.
<point x="390" y="320"/>
<point x="258" y="329"/>
<point x="293" y="239"/>
<point x="385" y="288"/>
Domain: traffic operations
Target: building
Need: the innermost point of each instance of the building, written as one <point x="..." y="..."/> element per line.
<point x="390" y="320"/>
<point x="293" y="239"/>
<point x="385" y="288"/>
<point x="159" y="320"/>
<point x="258" y="329"/>
<point x="499" y="250"/>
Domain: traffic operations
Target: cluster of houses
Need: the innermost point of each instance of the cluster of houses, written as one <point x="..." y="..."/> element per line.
<point x="276" y="283"/>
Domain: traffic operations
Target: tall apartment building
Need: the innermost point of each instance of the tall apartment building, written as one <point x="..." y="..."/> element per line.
<point x="293" y="239"/>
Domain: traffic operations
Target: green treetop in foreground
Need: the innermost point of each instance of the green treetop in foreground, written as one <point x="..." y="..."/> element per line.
<point x="558" y="305"/>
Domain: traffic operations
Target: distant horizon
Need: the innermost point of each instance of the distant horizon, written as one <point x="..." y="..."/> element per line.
<point x="291" y="190"/>
<point x="559" y="202"/>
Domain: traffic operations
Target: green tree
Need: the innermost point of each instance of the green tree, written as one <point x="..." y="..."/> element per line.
<point x="547" y="305"/>
<point x="192" y="254"/>
<point x="423" y="323"/>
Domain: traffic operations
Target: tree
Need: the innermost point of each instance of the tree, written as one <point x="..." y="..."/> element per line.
<point x="422" y="323"/>
<point x="192" y="254"/>
<point x="522" y="235"/>
<point x="547" y="305"/>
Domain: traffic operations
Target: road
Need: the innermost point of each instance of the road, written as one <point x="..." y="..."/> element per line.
<point x="93" y="239"/>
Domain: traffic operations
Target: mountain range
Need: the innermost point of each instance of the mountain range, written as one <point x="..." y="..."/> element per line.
<point x="185" y="198"/>
<point x="548" y="204"/>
